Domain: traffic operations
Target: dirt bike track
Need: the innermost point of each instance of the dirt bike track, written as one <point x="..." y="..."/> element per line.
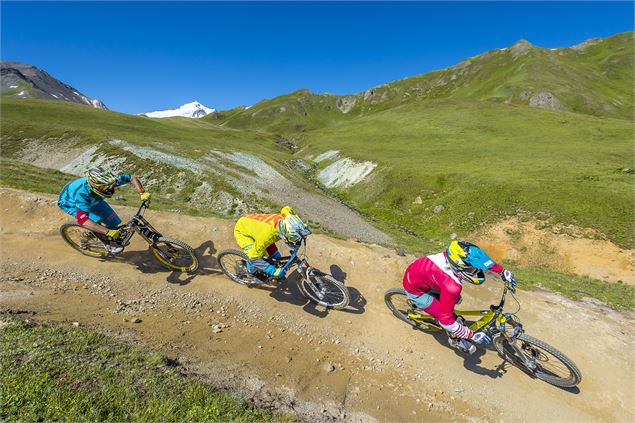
<point x="272" y="346"/>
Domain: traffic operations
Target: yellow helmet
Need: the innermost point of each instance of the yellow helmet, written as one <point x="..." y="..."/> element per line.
<point x="102" y="181"/>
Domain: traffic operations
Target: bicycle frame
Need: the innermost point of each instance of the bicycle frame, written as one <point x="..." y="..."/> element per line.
<point x="292" y="259"/>
<point x="138" y="223"/>
<point x="488" y="317"/>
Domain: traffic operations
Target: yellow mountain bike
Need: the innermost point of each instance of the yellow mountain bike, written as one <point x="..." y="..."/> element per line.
<point x="172" y="253"/>
<point x="533" y="356"/>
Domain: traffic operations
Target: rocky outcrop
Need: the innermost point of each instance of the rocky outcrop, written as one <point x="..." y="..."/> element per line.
<point x="521" y="48"/>
<point x="585" y="44"/>
<point x="345" y="173"/>
<point x="35" y="83"/>
<point x="345" y="104"/>
<point x="545" y="100"/>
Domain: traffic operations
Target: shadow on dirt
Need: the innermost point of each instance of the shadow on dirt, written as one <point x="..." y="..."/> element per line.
<point x="357" y="301"/>
<point x="287" y="291"/>
<point x="146" y="263"/>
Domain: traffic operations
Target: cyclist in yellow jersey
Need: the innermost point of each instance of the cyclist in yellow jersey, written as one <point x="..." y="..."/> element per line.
<point x="257" y="234"/>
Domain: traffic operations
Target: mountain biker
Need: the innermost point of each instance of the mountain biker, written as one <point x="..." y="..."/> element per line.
<point x="84" y="198"/>
<point x="434" y="284"/>
<point x="256" y="234"/>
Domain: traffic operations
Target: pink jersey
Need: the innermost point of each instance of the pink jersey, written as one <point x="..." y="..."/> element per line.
<point x="433" y="273"/>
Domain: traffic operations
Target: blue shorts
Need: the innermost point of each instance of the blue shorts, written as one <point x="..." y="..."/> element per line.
<point x="422" y="301"/>
<point x="100" y="213"/>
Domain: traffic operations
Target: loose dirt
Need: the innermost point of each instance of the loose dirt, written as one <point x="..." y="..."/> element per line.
<point x="566" y="249"/>
<point x="272" y="346"/>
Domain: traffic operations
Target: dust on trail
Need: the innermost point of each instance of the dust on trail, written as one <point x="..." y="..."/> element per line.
<point x="359" y="364"/>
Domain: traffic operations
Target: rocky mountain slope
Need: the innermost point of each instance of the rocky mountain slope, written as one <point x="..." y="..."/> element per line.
<point x="26" y="81"/>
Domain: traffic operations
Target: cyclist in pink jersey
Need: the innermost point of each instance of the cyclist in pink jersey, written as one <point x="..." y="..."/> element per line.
<point x="434" y="284"/>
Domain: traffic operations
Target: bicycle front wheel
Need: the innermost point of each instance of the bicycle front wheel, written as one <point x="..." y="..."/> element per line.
<point x="175" y="254"/>
<point x="539" y="359"/>
<point x="83" y="240"/>
<point x="323" y="289"/>
<point x="233" y="263"/>
<point x="403" y="308"/>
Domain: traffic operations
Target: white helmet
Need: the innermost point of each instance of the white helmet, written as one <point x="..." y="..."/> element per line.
<point x="291" y="228"/>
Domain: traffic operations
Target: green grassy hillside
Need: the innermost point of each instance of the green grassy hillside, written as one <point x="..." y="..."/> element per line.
<point x="171" y="154"/>
<point x="483" y="161"/>
<point x="594" y="79"/>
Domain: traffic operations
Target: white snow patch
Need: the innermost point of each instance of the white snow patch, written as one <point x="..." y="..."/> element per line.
<point x="160" y="157"/>
<point x="189" y="110"/>
<point x="327" y="155"/>
<point x="345" y="173"/>
<point x="21" y="93"/>
<point x="13" y="86"/>
<point x="54" y="96"/>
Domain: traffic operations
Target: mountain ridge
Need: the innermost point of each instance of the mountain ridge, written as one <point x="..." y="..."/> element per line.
<point x="27" y="81"/>
<point x="593" y="77"/>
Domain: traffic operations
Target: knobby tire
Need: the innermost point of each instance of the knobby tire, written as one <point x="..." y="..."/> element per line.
<point x="189" y="268"/>
<point x="510" y="353"/>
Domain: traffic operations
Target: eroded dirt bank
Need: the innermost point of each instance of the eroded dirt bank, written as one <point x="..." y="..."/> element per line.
<point x="358" y="364"/>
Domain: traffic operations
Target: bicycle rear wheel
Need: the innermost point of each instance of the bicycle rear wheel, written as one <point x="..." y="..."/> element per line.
<point x="83" y="240"/>
<point x="546" y="362"/>
<point x="323" y="289"/>
<point x="402" y="307"/>
<point x="233" y="263"/>
<point x="175" y="254"/>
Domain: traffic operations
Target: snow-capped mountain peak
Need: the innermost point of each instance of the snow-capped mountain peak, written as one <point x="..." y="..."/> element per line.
<point x="188" y="110"/>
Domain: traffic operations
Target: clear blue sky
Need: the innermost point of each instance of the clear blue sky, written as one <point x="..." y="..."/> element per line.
<point x="139" y="57"/>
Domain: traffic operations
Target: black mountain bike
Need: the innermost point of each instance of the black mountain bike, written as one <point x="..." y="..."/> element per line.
<point x="318" y="287"/>
<point x="170" y="252"/>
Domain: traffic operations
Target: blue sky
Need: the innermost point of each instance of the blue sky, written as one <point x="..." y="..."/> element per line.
<point x="139" y="57"/>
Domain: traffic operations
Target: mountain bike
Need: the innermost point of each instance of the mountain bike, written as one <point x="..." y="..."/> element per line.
<point x="533" y="356"/>
<point x="318" y="287"/>
<point x="170" y="252"/>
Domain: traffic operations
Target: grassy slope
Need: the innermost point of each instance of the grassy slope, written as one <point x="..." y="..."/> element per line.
<point x="288" y="114"/>
<point x="23" y="118"/>
<point x="489" y="159"/>
<point x="53" y="373"/>
<point x="63" y="124"/>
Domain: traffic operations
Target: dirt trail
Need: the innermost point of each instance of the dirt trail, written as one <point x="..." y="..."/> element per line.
<point x="359" y="364"/>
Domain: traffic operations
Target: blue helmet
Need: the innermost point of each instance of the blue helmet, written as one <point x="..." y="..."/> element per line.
<point x="468" y="261"/>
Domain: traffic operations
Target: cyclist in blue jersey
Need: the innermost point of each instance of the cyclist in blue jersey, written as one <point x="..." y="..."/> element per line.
<point x="84" y="198"/>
